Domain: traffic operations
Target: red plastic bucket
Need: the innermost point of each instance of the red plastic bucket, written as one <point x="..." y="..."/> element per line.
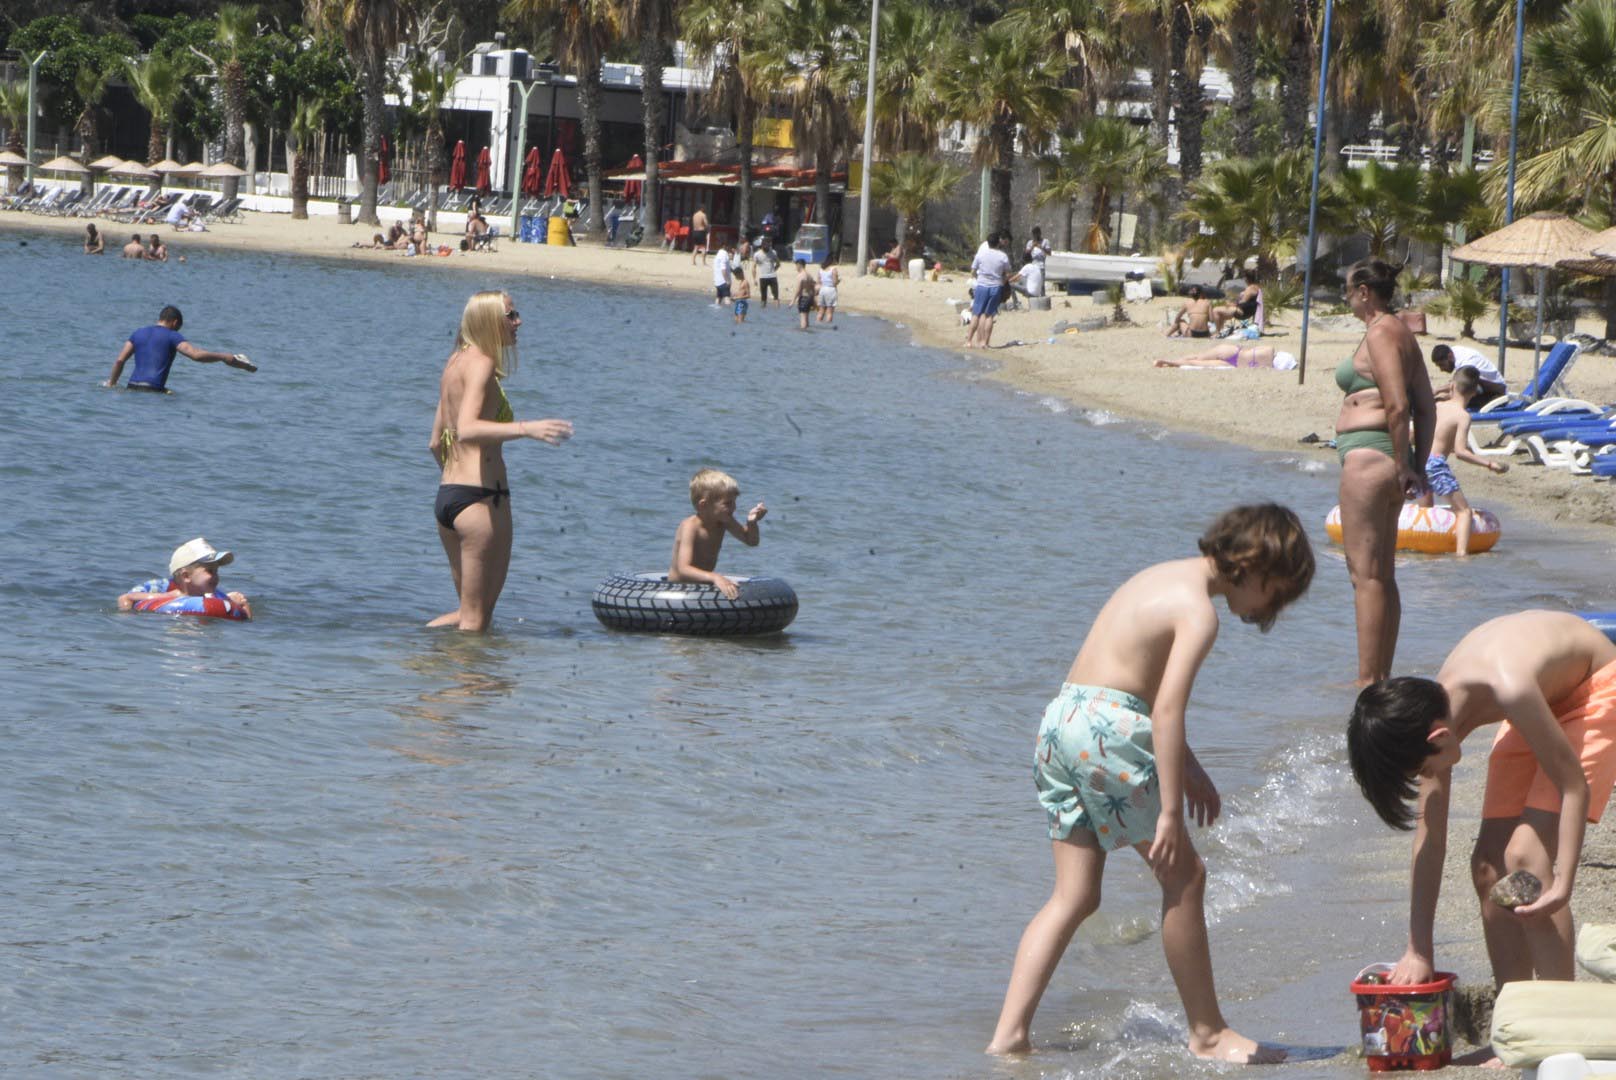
<point x="1405" y="1027"/>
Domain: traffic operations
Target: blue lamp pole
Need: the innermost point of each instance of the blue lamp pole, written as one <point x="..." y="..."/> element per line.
<point x="1509" y="185"/>
<point x="1313" y="201"/>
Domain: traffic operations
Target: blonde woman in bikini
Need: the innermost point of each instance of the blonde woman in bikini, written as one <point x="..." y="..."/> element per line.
<point x="1386" y="387"/>
<point x="474" y="420"/>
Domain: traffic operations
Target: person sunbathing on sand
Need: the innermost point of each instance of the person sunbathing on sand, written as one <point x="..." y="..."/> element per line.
<point x="1113" y="769"/>
<point x="1229" y="355"/>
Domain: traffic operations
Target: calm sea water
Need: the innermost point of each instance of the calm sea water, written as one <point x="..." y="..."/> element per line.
<point x="334" y="844"/>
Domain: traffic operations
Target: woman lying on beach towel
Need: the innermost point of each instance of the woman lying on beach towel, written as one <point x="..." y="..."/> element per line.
<point x="1229" y="355"/>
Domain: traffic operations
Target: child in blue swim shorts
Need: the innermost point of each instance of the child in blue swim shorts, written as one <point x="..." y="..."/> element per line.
<point x="1096" y="768"/>
<point x="1113" y="769"/>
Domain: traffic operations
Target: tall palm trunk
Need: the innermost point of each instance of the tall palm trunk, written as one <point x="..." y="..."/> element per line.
<point x="298" y="155"/>
<point x="589" y="111"/>
<point x="1002" y="138"/>
<point x="744" y="133"/>
<point x="824" y="162"/>
<point x="1189" y="103"/>
<point x="1293" y="91"/>
<point x="1243" y="77"/>
<point x="234" y="79"/>
<point x="156" y="140"/>
<point x="1161" y="89"/>
<point x="374" y="80"/>
<point x="652" y="49"/>
<point x="434" y="167"/>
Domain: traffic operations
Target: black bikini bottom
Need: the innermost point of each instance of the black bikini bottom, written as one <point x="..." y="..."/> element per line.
<point x="453" y="498"/>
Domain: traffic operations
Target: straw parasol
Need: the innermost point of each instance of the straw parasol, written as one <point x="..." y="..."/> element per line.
<point x="111" y="161"/>
<point x="1540" y="241"/>
<point x="167" y="165"/>
<point x="223" y="169"/>
<point x="64" y="164"/>
<point x="133" y="169"/>
<point x="8" y="158"/>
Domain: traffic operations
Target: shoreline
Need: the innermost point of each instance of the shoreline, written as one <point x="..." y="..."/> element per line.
<point x="1109" y="369"/>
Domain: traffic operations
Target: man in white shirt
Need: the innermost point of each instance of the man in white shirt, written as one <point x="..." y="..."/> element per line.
<point x="1449" y="358"/>
<point x="721" y="274"/>
<point x="1029" y="281"/>
<point x="990" y="270"/>
<point x="179" y="215"/>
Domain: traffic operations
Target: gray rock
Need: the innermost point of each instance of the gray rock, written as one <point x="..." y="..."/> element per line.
<point x="1521" y="887"/>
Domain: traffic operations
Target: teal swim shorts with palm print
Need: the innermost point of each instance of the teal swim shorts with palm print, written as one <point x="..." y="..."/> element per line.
<point x="1095" y="766"/>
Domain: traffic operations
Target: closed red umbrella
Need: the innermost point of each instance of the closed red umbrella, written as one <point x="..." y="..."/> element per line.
<point x="632" y="189"/>
<point x="457" y="167"/>
<point x="557" y="180"/>
<point x="484" y="160"/>
<point x="382" y="173"/>
<point x="530" y="172"/>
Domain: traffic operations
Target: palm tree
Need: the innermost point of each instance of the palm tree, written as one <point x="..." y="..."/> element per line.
<point x="1294" y="87"/>
<point x="1007" y="82"/>
<point x="813" y="62"/>
<point x="370" y="29"/>
<point x="1083" y="32"/>
<point x="14" y="113"/>
<point x="1252" y="209"/>
<point x="237" y="24"/>
<point x="90" y="86"/>
<point x="580" y="33"/>
<point x="728" y="35"/>
<point x="430" y="86"/>
<point x="910" y="66"/>
<point x="1568" y="112"/>
<point x="1384" y="203"/>
<point x="907" y="183"/>
<point x="1107" y="156"/>
<point x="158" y="84"/>
<point x="653" y="21"/>
<point x="1193" y="24"/>
<point x="307" y="120"/>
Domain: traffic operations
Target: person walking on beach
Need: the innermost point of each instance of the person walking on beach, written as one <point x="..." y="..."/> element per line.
<point x="698" y="236"/>
<point x="766" y="266"/>
<point x="804" y="294"/>
<point x="1387" y="390"/>
<point x="721" y="264"/>
<point x="473" y="421"/>
<point x="153" y="349"/>
<point x="990" y="269"/>
<point x="1548" y="678"/>
<point x="1113" y="768"/>
<point x="830" y="280"/>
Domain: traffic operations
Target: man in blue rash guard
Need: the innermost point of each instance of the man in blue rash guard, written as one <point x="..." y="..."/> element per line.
<point x="153" y="348"/>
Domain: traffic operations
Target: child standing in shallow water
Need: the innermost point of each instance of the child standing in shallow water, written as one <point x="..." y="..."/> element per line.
<point x="1452" y="441"/>
<point x="1113" y="768"/>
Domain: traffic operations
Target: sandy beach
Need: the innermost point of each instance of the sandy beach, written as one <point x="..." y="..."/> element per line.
<point x="1106" y="369"/>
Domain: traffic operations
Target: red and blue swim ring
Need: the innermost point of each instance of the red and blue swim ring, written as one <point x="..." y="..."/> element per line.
<point x="162" y="601"/>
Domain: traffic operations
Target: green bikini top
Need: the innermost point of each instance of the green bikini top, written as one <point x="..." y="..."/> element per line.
<point x="502" y="415"/>
<point x="1348" y="379"/>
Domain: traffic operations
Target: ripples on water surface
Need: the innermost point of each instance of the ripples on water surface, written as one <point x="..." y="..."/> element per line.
<point x="333" y="844"/>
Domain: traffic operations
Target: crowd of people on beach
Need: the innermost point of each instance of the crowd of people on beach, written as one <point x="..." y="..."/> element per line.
<point x="1112" y="764"/>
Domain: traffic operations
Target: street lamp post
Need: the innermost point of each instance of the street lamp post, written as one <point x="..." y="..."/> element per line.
<point x="33" y="85"/>
<point x="869" y="146"/>
<point x="526" y="90"/>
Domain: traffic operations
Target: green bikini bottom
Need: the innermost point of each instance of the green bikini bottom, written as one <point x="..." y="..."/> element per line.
<point x="1367" y="439"/>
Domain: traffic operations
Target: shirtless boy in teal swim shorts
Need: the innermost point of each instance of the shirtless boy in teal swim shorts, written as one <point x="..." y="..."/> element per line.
<point x="1113" y="769"/>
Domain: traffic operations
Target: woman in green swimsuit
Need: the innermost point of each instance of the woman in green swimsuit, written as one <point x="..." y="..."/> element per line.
<point x="1386" y="387"/>
<point x="473" y="421"/>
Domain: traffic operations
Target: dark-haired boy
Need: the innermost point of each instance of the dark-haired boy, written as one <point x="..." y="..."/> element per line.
<point x="1550" y="678"/>
<point x="1113" y="768"/>
<point x="1452" y="442"/>
<point x="153" y="348"/>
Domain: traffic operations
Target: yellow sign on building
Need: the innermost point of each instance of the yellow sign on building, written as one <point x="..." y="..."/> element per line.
<point x="773" y="132"/>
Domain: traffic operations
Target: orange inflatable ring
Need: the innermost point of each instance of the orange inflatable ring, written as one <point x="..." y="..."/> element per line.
<point x="1429" y="529"/>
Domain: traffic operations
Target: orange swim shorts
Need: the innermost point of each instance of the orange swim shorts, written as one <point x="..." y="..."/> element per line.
<point x="1588" y="717"/>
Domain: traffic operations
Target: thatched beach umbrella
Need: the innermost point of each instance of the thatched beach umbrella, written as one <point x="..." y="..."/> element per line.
<point x="111" y="161"/>
<point x="1540" y="241"/>
<point x="133" y="169"/>
<point x="65" y="164"/>
<point x="7" y="158"/>
<point x="222" y="170"/>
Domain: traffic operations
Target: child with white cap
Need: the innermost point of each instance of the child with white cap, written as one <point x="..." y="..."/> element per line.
<point x="191" y="588"/>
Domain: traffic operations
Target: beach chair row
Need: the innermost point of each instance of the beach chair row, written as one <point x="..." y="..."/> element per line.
<point x="1548" y="424"/>
<point x="122" y="204"/>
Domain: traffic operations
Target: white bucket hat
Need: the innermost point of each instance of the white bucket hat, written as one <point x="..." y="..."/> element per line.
<point x="193" y="552"/>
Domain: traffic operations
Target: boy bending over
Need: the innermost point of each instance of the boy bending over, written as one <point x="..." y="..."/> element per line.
<point x="1452" y="440"/>
<point x="1113" y="768"/>
<point x="1549" y="680"/>
<point x="695" y="545"/>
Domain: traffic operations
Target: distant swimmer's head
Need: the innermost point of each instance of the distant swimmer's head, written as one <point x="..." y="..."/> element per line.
<point x="1263" y="554"/>
<point x="1399" y="731"/>
<point x="170" y="317"/>
<point x="713" y="486"/>
<point x="194" y="566"/>
<point x="489" y="325"/>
